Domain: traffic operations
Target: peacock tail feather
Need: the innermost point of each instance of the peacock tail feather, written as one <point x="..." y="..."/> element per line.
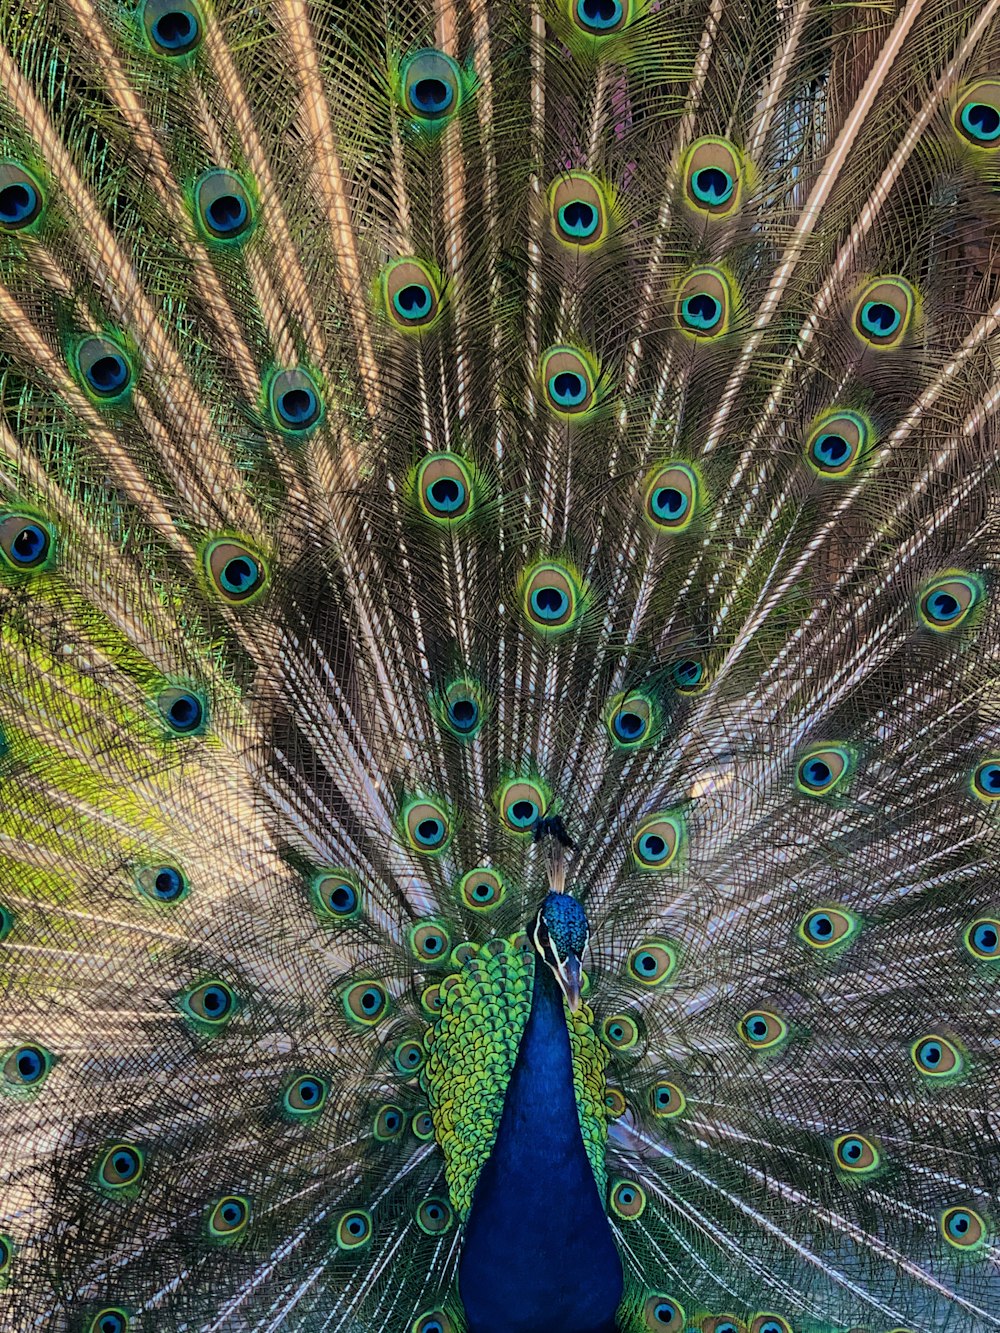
<point x="437" y="433"/>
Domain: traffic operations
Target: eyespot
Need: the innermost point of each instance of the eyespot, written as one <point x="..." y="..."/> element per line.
<point x="963" y="1228"/>
<point x="444" y="488"/>
<point x="856" y="1154"/>
<point x="937" y="1057"/>
<point x="652" y="962"/>
<point x="163" y="884"/>
<point x="120" y="1167"/>
<point x="461" y="708"/>
<point x="703" y="309"/>
<point x="600" y="18"/>
<point x="181" y="710"/>
<point x="336" y="895"/>
<point x="26" y="1067"/>
<point x="579" y="211"/>
<point x="305" y="1096"/>
<point x="837" y="441"/>
<point x="433" y="1321"/>
<point x="481" y="890"/>
<point x="366" y="1002"/>
<point x="223" y="208"/>
<point x="237" y="573"/>
<point x="821" y="770"/>
<point x="671" y="501"/>
<point x="430" y="87"/>
<point x="109" y="1321"/>
<point x="982" y="939"/>
<point x="6" y="922"/>
<point x="827" y="927"/>
<point x="986" y="780"/>
<point x="629" y="720"/>
<point x="409" y="1057"/>
<point x="229" y="1217"/>
<point x="666" y="1100"/>
<point x="294" y="401"/>
<point x="209" y="1005"/>
<point x="462" y="953"/>
<point x="946" y="602"/>
<point x="354" y="1230"/>
<point x="27" y="543"/>
<point x="762" y="1030"/>
<point x="770" y="1323"/>
<point x="569" y="381"/>
<point x="428" y="826"/>
<point x="431" y="1000"/>
<point x="550" y="598"/>
<point x="977" y="114"/>
<point x="522" y="804"/>
<point x="663" y="1314"/>
<point x="884" y="312"/>
<point x="712" y="175"/>
<point x="656" y="841"/>
<point x="21" y="199"/>
<point x="627" y="1199"/>
<point x="104" y="369"/>
<point x="615" y="1104"/>
<point x="422" y="1126"/>
<point x="389" y="1123"/>
<point x="174" y="27"/>
<point x="430" y="942"/>
<point x="411" y="295"/>
<point x="435" y="1216"/>
<point x="722" y="1323"/>
<point x="688" y="675"/>
<point x="620" y="1032"/>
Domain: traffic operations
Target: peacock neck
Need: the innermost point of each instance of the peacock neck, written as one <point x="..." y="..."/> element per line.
<point x="538" y="1254"/>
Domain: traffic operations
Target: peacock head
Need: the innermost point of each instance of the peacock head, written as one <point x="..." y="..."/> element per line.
<point x="560" y="934"/>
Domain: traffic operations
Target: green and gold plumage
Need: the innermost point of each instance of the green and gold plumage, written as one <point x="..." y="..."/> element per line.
<point x="499" y="706"/>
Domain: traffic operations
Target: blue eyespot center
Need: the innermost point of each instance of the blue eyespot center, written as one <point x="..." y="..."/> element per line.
<point x="343" y="898"/>
<point x="309" y="1091"/>
<point x="215" y="1001"/>
<point x="701" y="311"/>
<point x="985" y="938"/>
<point x="820" y="926"/>
<point x="629" y="726"/>
<point x="168" y="884"/>
<point x="959" y="1223"/>
<point x="522" y="814"/>
<point x="816" y="773"/>
<point x="432" y="97"/>
<point x="669" y="502"/>
<point x="549" y="603"/>
<point x="297" y="407"/>
<point x="757" y="1028"/>
<point x="184" y="713"/>
<point x="687" y="673"/>
<point x="712" y="185"/>
<point x="568" y="388"/>
<point x="578" y="219"/>
<point x="853" y="1150"/>
<point x="599" y="14"/>
<point x="227" y="214"/>
<point x="943" y="606"/>
<point x="880" y="319"/>
<point x="831" y="450"/>
<point x="988" y="778"/>
<point x="30" y="544"/>
<point x="175" y="31"/>
<point x="108" y="374"/>
<point x="430" y="831"/>
<point x="664" y="1312"/>
<point x="239" y="574"/>
<point x="463" y="713"/>
<point x="652" y="846"/>
<point x="30" y="1064"/>
<point x="18" y="203"/>
<point x="930" y="1054"/>
<point x="446" y="494"/>
<point x="982" y="121"/>
<point x="413" y="301"/>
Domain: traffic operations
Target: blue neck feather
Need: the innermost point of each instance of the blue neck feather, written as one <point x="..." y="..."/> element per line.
<point x="538" y="1255"/>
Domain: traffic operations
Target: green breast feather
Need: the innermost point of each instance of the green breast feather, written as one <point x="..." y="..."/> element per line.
<point x="472" y="1048"/>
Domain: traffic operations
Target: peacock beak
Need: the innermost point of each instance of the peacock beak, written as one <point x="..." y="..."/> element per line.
<point x="568" y="976"/>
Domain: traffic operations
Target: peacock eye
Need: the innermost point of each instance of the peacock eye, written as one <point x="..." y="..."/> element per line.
<point x="445" y="488"/>
<point x="937" y="1057"/>
<point x="229" y="1217"/>
<point x="236" y="572"/>
<point x="162" y="884"/>
<point x="422" y="1126"/>
<point x="620" y="1032"/>
<point x="427" y="826"/>
<point x="823" y="769"/>
<point x="982" y="939"/>
<point x="977" y="114"/>
<point x="109" y="1321"/>
<point x="666" y="1099"/>
<point x="481" y="890"/>
<point x="703" y="308"/>
<point x="210" y="1005"/>
<point x="569" y="381"/>
<point x="104" y="369"/>
<point x="883" y="312"/>
<point x="409" y="1057"/>
<point x="662" y="1314"/>
<point x="174" y="27"/>
<point x="948" y="601"/>
<point x="627" y="1199"/>
<point x="294" y="401"/>
<point x="963" y="1228"/>
<point x="366" y="1002"/>
<point x="21" y="199"/>
<point x="430" y="87"/>
<point x="223" y="208"/>
<point x="827" y="927"/>
<point x="435" y="1216"/>
<point x="26" y="542"/>
<point x="336" y="895"/>
<point x="430" y="942"/>
<point x="411" y="293"/>
<point x="855" y="1154"/>
<point x="986" y="780"/>
<point x="652" y="962"/>
<point x="688" y="674"/>
<point x="671" y="501"/>
<point x="770" y="1323"/>
<point x="389" y="1122"/>
<point x="837" y="441"/>
<point x="600" y="18"/>
<point x="629" y="720"/>
<point x="762" y="1030"/>
<point x="722" y="1324"/>
<point x="522" y="804"/>
<point x="580" y="211"/>
<point x="550" y="598"/>
<point x="354" y="1230"/>
<point x="26" y="1067"/>
<point x="433" y="1321"/>
<point x="656" y="842"/>
<point x="306" y="1096"/>
<point x="182" y="710"/>
<point x="120" y="1167"/>
<point x="712" y="174"/>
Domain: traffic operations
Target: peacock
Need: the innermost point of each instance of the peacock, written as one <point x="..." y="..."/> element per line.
<point x="499" y="704"/>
